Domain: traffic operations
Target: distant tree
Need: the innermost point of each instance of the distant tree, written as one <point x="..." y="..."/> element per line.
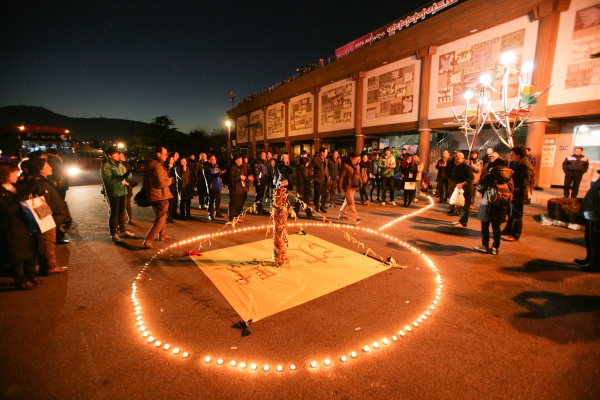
<point x="160" y="131"/>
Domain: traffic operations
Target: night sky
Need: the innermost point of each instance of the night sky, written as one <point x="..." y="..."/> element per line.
<point x="141" y="59"/>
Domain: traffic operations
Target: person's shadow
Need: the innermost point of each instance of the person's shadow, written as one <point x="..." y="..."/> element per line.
<point x="559" y="317"/>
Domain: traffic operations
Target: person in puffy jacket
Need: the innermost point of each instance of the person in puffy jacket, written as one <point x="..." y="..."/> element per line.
<point x="39" y="185"/>
<point x="212" y="174"/>
<point x="156" y="187"/>
<point x="115" y="179"/>
<point x="574" y="167"/>
<point x="493" y="214"/>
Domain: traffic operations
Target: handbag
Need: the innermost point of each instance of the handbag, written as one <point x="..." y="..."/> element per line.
<point x="410" y="185"/>
<point x="457" y="198"/>
<point x="39" y="215"/>
<point x="140" y="199"/>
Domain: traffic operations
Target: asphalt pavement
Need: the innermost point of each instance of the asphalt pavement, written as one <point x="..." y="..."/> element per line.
<point x="521" y="325"/>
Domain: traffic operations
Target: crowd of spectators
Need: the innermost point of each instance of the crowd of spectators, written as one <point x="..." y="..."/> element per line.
<point x="26" y="251"/>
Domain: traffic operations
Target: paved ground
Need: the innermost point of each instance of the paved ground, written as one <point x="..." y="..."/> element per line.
<point x="524" y="325"/>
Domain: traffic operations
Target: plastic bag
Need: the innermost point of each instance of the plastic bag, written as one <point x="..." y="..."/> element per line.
<point x="458" y="197"/>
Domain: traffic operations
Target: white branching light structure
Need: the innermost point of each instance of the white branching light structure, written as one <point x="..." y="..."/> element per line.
<point x="511" y="117"/>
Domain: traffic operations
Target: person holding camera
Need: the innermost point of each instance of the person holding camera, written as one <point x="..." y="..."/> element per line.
<point x="115" y="180"/>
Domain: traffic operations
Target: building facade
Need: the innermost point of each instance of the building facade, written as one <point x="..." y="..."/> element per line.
<point x="401" y="90"/>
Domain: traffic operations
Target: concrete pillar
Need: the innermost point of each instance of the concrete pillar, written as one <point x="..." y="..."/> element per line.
<point x="548" y="15"/>
<point x="316" y="118"/>
<point x="359" y="78"/>
<point x="424" y="55"/>
<point x="286" y="125"/>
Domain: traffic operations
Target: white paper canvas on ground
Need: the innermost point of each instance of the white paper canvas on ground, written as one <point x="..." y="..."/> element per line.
<point x="255" y="288"/>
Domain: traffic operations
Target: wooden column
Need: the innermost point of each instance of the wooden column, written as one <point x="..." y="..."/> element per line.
<point x="264" y="110"/>
<point x="424" y="55"/>
<point x="548" y="15"/>
<point x="359" y="78"/>
<point x="286" y="126"/>
<point x="316" y="118"/>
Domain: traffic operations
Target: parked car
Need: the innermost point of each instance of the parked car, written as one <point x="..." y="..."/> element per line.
<point x="140" y="166"/>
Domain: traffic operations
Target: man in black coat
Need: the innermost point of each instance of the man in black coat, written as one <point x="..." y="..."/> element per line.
<point x="237" y="181"/>
<point x="574" y="167"/>
<point x="201" y="182"/>
<point x="590" y="211"/>
<point x="523" y="179"/>
<point x="319" y="166"/>
<point x="261" y="180"/>
<point x="333" y="165"/>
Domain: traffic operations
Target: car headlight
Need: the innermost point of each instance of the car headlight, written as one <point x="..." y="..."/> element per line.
<point x="73" y="171"/>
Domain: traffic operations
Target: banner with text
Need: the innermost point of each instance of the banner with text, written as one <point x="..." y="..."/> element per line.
<point x="396" y="26"/>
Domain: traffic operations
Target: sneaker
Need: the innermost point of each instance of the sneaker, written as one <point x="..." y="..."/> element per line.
<point x="482" y="248"/>
<point x="450" y="213"/>
<point x="127" y="234"/>
<point x="56" y="270"/>
<point x="331" y="205"/>
<point x="115" y="238"/>
<point x="131" y="222"/>
<point x="393" y="203"/>
<point x="415" y="200"/>
<point x="457" y="224"/>
<point x="383" y="203"/>
<point x="342" y="217"/>
<point x="367" y="202"/>
<point x="494" y="251"/>
<point x="357" y="221"/>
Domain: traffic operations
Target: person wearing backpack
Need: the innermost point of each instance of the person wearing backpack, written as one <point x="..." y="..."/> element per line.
<point x="496" y="189"/>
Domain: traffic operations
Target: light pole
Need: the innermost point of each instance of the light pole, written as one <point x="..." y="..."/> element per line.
<point x="228" y="123"/>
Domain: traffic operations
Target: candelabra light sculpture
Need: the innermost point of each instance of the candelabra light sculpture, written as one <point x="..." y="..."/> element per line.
<point x="511" y="117"/>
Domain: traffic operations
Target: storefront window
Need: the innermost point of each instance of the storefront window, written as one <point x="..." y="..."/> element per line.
<point x="588" y="137"/>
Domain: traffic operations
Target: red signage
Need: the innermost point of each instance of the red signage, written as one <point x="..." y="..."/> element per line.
<point x="396" y="26"/>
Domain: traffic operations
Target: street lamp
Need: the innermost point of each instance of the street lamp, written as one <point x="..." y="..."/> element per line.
<point x="228" y="123"/>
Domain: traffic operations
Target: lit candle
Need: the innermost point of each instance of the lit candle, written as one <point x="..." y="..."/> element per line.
<point x="242" y="365"/>
<point x="220" y="361"/>
<point x="376" y="345"/>
<point x="366" y="349"/>
<point x="353" y="354"/>
<point x="157" y="343"/>
<point x="207" y="359"/>
<point x="175" y="350"/>
<point x="293" y="367"/>
<point x="327" y="361"/>
<point x="232" y="363"/>
<point x="185" y="354"/>
<point x="253" y="366"/>
<point x="279" y="368"/>
<point x="313" y="364"/>
<point x="266" y="368"/>
<point x="343" y="359"/>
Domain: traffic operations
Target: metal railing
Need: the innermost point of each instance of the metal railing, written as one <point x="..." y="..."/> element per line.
<point x="307" y="70"/>
<point x="447" y="143"/>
